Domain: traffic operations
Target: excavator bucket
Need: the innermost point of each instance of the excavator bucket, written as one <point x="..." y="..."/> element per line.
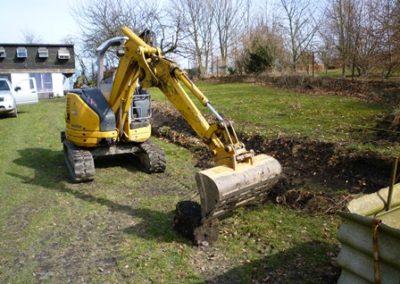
<point x="223" y="189"/>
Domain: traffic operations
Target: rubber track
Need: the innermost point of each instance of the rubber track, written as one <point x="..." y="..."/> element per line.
<point x="79" y="162"/>
<point x="156" y="158"/>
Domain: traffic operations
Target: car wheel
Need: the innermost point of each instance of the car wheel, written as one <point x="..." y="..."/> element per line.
<point x="14" y="113"/>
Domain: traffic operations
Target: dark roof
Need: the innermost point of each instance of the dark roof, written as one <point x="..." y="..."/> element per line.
<point x="32" y="62"/>
<point x="37" y="44"/>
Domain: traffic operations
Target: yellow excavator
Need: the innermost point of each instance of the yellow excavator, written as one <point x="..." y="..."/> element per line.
<point x="114" y="119"/>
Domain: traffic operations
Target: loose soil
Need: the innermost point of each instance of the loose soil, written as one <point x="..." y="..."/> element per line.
<point x="317" y="176"/>
<point x="187" y="222"/>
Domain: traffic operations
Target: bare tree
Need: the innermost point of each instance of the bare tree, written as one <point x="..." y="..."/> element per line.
<point x="229" y="15"/>
<point x="163" y="22"/>
<point x="327" y="51"/>
<point x="357" y="34"/>
<point x="301" y="26"/>
<point x="340" y="15"/>
<point x="374" y="36"/>
<point x="389" y="29"/>
<point x="198" y="17"/>
<point x="365" y="36"/>
<point x="102" y="19"/>
<point x="364" y="32"/>
<point x="171" y="27"/>
<point x="30" y="37"/>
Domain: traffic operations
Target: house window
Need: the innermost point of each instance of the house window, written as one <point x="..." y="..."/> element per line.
<point x="22" y="52"/>
<point x="63" y="53"/>
<point x="2" y="52"/>
<point x="44" y="82"/>
<point x="43" y="52"/>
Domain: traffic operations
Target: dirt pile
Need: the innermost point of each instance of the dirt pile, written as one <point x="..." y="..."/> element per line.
<point x="327" y="163"/>
<point x="187" y="222"/>
<point x="318" y="176"/>
<point x="167" y="123"/>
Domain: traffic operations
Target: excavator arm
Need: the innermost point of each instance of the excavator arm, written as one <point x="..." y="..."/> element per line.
<point x="146" y="64"/>
<point x="240" y="176"/>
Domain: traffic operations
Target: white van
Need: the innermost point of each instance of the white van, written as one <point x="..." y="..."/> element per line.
<point x="10" y="97"/>
<point x="25" y="92"/>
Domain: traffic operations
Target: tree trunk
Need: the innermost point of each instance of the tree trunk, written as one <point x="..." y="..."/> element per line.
<point x="343" y="68"/>
<point x="223" y="64"/>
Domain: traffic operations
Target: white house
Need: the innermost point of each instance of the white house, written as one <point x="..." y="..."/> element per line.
<point x="49" y="64"/>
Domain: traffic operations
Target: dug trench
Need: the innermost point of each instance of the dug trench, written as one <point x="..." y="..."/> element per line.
<point x="318" y="177"/>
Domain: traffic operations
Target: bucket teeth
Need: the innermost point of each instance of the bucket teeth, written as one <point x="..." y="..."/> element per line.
<point x="223" y="189"/>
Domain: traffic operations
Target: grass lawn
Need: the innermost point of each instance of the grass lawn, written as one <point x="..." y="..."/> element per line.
<point x="119" y="227"/>
<point x="273" y="112"/>
<point x="373" y="74"/>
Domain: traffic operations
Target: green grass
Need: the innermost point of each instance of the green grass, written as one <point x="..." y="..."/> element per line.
<point x="119" y="227"/>
<point x="375" y="73"/>
<point x="337" y="72"/>
<point x="273" y="112"/>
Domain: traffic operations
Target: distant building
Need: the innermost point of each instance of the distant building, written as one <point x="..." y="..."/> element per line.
<point x="49" y="64"/>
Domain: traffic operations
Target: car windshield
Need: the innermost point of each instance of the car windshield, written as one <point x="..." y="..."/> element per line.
<point x="4" y="86"/>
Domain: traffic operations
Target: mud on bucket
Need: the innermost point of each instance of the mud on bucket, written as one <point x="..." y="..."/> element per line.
<point x="223" y="189"/>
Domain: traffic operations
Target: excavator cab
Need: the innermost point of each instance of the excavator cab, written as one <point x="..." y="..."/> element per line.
<point x="141" y="106"/>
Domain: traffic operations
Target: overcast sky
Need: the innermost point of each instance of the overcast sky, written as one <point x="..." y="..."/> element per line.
<point x="50" y="20"/>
